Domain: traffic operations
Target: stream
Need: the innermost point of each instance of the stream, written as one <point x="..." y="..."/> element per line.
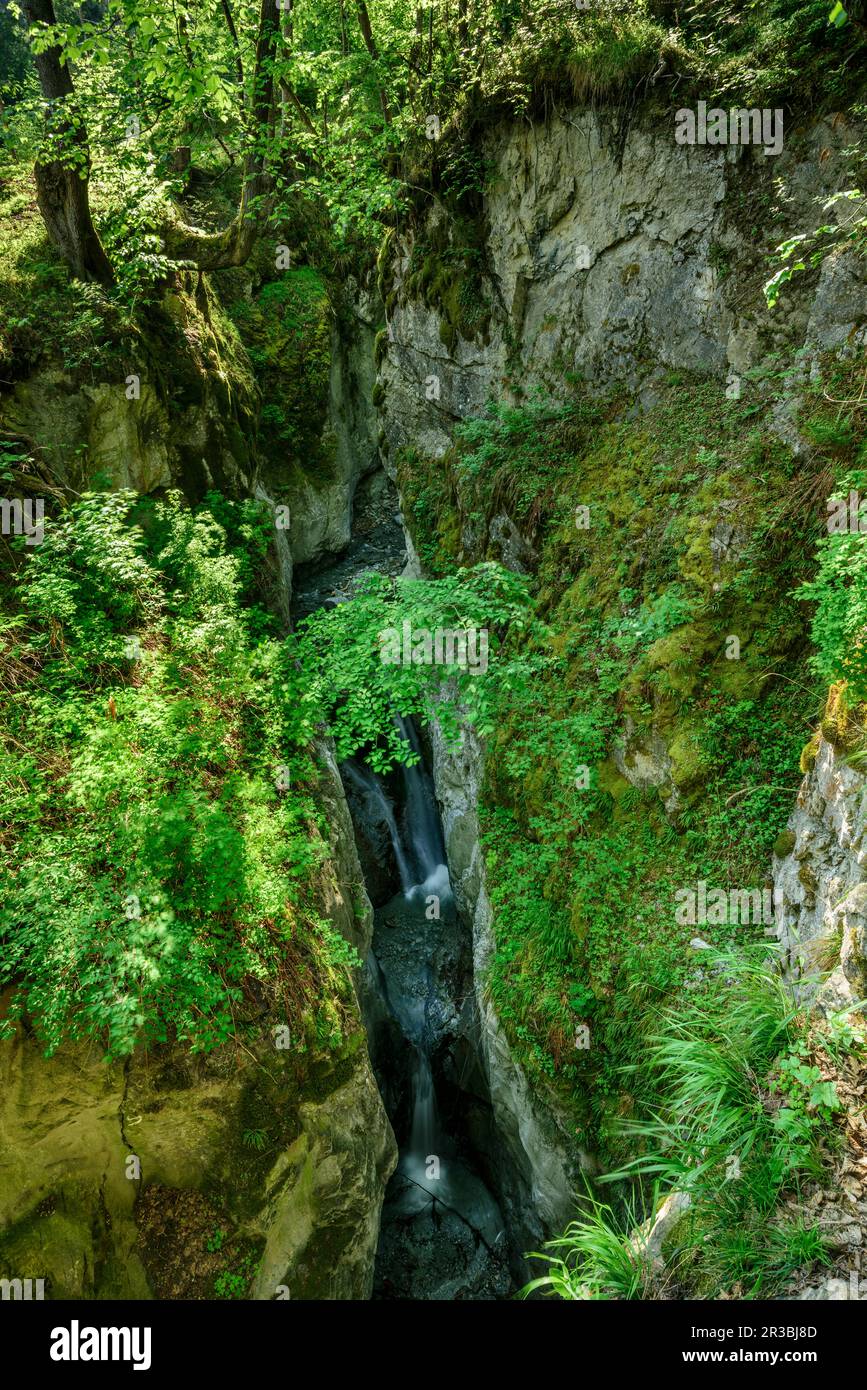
<point x="442" y="1235"/>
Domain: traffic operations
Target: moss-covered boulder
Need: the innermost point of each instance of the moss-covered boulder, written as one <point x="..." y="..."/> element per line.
<point x="255" y="1172"/>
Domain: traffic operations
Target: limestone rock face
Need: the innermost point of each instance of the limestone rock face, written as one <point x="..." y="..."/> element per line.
<point x="346" y="903"/>
<point x="539" y="1170"/>
<point x="80" y="1212"/>
<point x="618" y="261"/>
<point x="321" y="507"/>
<point x="141" y="443"/>
<point x="611" y="259"/>
<point x="179" y="414"/>
<point x="324" y="1195"/>
<point x="648" y="765"/>
<point x="820" y="895"/>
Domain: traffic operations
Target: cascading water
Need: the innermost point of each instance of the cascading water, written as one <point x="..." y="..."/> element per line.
<point x="369" y="787"/>
<point x="442" y="1234"/>
<point x="422" y="822"/>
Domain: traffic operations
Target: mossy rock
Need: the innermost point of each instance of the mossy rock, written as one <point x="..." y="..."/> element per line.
<point x="383" y="264"/>
<point x="809" y="754"/>
<point x="448" y="336"/>
<point x="74" y="1217"/>
<point x="832" y="731"/>
<point x="287" y="328"/>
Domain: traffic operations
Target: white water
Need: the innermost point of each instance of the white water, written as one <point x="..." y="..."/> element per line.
<point x="369" y="784"/>
<point x="439" y="1210"/>
<point x="424" y="1139"/>
<point x="422" y="824"/>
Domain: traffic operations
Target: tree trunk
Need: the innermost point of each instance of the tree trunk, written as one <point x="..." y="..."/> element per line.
<point x="219" y="250"/>
<point x="371" y="46"/>
<point x="230" y="25"/>
<point x="61" y="191"/>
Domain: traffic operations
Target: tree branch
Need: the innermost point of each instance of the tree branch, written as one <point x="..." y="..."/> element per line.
<point x="230" y="24"/>
<point x="372" y="48"/>
<point x="232" y="246"/>
<point x="62" y="183"/>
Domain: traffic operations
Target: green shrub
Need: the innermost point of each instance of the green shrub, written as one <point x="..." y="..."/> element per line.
<point x="737" y="1118"/>
<point x="839" y="591"/>
<point x="151" y="862"/>
<point x="596" y="1257"/>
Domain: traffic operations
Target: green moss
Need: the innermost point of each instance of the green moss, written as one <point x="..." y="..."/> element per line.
<point x="809" y="754"/>
<point x="384" y="263"/>
<point x="747" y="55"/>
<point x="685" y="752"/>
<point x="286" y="329"/>
<point x="448" y="336"/>
<point x="446" y="272"/>
<point x="639" y="608"/>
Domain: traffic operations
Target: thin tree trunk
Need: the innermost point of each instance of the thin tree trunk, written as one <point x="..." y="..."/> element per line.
<point x="230" y="25"/>
<point x="62" y="191"/>
<point x="416" y="54"/>
<point x="287" y="96"/>
<point x="371" y="46"/>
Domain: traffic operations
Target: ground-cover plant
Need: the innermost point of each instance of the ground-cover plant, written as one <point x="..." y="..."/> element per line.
<point x="161" y="843"/>
<point x="738" y="1117"/>
<point x="634" y="605"/>
<point x="839" y="591"/>
<point x="599" y="1256"/>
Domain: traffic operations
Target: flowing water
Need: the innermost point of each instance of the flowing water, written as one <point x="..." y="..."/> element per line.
<point x="365" y="782"/>
<point x="442" y="1235"/>
<point x="442" y="1232"/>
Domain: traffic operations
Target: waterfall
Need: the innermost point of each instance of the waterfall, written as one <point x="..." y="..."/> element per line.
<point x="442" y="1233"/>
<point x="370" y="786"/>
<point x="424" y="1135"/>
<point x="422" y="822"/>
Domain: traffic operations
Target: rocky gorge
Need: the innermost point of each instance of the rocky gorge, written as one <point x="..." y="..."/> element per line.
<point x="584" y="333"/>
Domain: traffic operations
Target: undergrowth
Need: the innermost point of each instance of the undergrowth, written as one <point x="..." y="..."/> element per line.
<point x="162" y="846"/>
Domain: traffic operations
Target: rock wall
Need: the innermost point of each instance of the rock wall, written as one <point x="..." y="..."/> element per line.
<point x="615" y="263"/>
<point x="538" y="1166"/>
<point x="321" y="511"/>
<point x="820" y="893"/>
<point x="180" y="411"/>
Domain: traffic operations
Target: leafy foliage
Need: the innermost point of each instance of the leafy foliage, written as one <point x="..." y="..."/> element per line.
<point x="151" y="864"/>
<point x="839" y="591"/>
<point x="359" y="692"/>
<point x="632" y="614"/>
<point x="738" y="1118"/>
<point x="355" y="88"/>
